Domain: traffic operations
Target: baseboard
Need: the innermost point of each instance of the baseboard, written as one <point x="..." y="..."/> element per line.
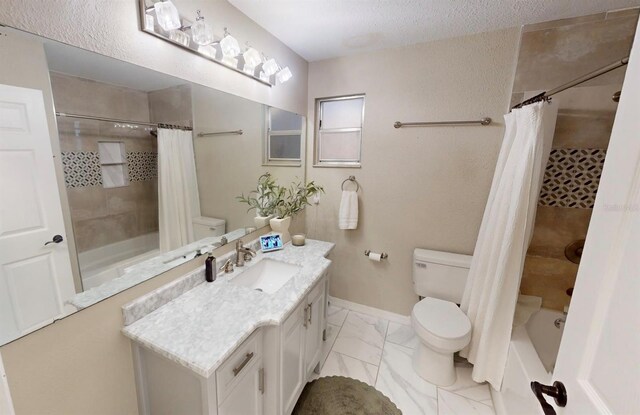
<point x="360" y="308"/>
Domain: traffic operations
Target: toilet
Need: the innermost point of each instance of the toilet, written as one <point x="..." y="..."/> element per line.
<point x="443" y="329"/>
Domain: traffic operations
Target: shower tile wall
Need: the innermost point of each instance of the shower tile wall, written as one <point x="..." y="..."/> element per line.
<point x="551" y="54"/>
<point x="102" y="216"/>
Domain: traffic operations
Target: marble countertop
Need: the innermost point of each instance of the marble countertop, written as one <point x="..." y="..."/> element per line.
<point x="202" y="327"/>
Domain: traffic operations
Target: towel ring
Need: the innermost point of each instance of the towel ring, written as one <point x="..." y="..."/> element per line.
<point x="351" y="179"/>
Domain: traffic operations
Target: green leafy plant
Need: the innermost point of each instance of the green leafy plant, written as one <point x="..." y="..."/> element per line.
<point x="265" y="198"/>
<point x="291" y="200"/>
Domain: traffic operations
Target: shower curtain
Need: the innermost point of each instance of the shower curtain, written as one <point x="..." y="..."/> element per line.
<point x="492" y="288"/>
<point x="176" y="184"/>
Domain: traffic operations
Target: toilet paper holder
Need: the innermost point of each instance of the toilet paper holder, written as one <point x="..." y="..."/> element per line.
<point x="383" y="255"/>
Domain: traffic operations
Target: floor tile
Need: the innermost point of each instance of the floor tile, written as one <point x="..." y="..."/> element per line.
<point x="362" y="337"/>
<point x="451" y="404"/>
<point x="468" y="388"/>
<point x="332" y="334"/>
<point x="336" y="315"/>
<point x="400" y="383"/>
<point x="338" y="364"/>
<point x="402" y="334"/>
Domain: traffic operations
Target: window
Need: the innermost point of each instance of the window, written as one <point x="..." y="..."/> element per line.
<point x="339" y="131"/>
<point x="284" y="138"/>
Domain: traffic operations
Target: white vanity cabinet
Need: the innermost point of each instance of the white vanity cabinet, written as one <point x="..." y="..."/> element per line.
<point x="264" y="375"/>
<point x="301" y="345"/>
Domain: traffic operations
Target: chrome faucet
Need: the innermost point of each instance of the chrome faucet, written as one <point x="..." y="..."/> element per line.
<point x="243" y="253"/>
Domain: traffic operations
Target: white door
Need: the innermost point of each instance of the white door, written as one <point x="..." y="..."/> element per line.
<point x="35" y="278"/>
<point x="599" y="358"/>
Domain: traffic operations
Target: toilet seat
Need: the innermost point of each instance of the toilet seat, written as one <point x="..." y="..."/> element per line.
<point x="441" y="324"/>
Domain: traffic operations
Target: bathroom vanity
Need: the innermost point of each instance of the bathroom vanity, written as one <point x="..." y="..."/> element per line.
<point x="226" y="347"/>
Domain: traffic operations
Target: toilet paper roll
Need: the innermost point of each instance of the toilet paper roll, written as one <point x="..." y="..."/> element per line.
<point x="375" y="256"/>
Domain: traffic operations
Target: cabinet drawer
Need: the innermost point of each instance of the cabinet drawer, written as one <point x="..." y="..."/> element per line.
<point x="238" y="364"/>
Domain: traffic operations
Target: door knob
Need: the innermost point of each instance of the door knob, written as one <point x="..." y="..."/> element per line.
<point x="558" y="392"/>
<point x="56" y="240"/>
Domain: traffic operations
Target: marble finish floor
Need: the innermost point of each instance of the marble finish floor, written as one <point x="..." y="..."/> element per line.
<point x="378" y="352"/>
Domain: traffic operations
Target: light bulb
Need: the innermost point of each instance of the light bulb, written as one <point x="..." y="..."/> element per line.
<point x="270" y="67"/>
<point x="284" y="75"/>
<point x="167" y="15"/>
<point x="251" y="59"/>
<point x="201" y="31"/>
<point x="230" y="46"/>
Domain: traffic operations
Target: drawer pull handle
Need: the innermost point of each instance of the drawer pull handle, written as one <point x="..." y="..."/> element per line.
<point x="212" y="228"/>
<point x="246" y="360"/>
<point x="310" y="312"/>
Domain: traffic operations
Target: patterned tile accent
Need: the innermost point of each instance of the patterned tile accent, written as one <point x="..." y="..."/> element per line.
<point x="81" y="168"/>
<point x="143" y="165"/>
<point x="572" y="177"/>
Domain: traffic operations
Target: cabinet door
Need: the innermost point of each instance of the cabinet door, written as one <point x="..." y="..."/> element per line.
<point x="292" y="359"/>
<point x="246" y="396"/>
<point x="314" y="325"/>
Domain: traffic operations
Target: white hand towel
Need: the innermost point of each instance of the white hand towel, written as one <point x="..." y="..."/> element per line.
<point x="348" y="216"/>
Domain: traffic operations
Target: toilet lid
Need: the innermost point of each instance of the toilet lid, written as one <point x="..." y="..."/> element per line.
<point x="441" y="318"/>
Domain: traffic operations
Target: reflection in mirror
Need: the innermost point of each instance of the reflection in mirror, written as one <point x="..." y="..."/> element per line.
<point x="138" y="192"/>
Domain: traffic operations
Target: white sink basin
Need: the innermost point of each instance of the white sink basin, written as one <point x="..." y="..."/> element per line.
<point x="267" y="275"/>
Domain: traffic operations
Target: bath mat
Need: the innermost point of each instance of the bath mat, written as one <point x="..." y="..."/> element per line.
<point x="338" y="395"/>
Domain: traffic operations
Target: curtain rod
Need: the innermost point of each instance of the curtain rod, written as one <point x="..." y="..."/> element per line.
<point x="584" y="78"/>
<point x="149" y="124"/>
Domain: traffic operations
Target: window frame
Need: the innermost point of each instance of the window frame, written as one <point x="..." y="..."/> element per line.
<point x="266" y="155"/>
<point x="317" y="162"/>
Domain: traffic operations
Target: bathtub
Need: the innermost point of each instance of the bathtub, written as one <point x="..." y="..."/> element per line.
<point x="532" y="356"/>
<point x="105" y="263"/>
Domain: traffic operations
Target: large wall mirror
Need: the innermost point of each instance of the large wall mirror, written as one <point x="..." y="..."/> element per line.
<point x="146" y="172"/>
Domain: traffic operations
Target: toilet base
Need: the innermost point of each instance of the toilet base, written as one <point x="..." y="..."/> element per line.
<point x="434" y="367"/>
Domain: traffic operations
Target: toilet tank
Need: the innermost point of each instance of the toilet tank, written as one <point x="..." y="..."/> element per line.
<point x="439" y="274"/>
<point x="205" y="227"/>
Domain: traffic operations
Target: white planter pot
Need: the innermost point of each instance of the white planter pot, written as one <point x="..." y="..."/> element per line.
<point x="261" y="221"/>
<point x="281" y="226"/>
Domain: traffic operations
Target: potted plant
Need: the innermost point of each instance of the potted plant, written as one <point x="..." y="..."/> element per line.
<point x="263" y="199"/>
<point x="289" y="201"/>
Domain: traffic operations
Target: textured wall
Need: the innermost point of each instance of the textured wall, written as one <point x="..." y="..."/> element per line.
<point x="420" y="187"/>
<point x="551" y="54"/>
<point x="112" y="28"/>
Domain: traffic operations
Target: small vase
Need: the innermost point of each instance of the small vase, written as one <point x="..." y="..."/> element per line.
<point x="261" y="221"/>
<point x="281" y="226"/>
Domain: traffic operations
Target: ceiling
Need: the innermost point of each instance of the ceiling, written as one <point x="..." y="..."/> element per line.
<point x="322" y="29"/>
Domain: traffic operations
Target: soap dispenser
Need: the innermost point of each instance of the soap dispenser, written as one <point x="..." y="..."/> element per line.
<point x="210" y="268"/>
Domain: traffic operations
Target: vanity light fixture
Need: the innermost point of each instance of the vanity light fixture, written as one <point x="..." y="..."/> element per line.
<point x="161" y="18"/>
<point x="284" y="75"/>
<point x="201" y="31"/>
<point x="167" y="15"/>
<point x="229" y="45"/>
